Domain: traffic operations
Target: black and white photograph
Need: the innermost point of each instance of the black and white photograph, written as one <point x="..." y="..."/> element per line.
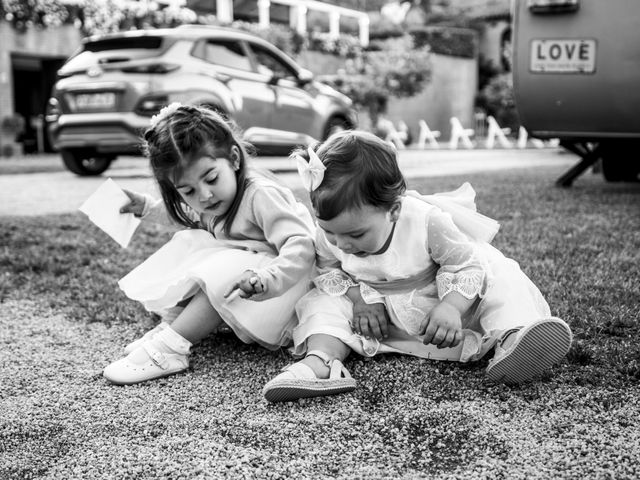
<point x="304" y="239"/>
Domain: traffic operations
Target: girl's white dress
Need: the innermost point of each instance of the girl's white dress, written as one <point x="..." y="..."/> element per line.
<point x="428" y="257"/>
<point x="272" y="234"/>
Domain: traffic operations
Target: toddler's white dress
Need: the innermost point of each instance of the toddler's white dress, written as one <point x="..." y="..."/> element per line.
<point x="272" y="234"/>
<point x="428" y="257"/>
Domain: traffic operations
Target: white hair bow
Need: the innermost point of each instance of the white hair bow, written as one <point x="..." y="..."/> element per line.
<point x="311" y="172"/>
<point x="164" y="113"/>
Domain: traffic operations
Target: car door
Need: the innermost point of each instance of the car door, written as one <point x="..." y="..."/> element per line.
<point x="253" y="99"/>
<point x="294" y="108"/>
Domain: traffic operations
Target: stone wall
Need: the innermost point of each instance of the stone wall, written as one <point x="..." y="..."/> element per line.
<point x="451" y="93"/>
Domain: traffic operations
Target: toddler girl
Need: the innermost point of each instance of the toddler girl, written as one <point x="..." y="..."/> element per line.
<point x="244" y="259"/>
<point x="405" y="273"/>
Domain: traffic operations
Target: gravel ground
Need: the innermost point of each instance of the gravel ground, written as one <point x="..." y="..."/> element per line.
<point x="62" y="320"/>
<point x="408" y="418"/>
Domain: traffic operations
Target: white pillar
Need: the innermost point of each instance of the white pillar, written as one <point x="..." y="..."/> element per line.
<point x="263" y="13"/>
<point x="334" y="24"/>
<point x="363" y="23"/>
<point x="224" y="10"/>
<point x="301" y="19"/>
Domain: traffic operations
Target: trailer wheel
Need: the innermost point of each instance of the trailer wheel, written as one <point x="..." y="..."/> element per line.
<point x="621" y="160"/>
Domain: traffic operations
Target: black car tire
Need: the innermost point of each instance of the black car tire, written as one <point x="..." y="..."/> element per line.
<point x="85" y="162"/>
<point x="620" y="160"/>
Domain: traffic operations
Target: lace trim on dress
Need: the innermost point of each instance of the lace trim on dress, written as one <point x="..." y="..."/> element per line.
<point x="467" y="283"/>
<point x="370" y="295"/>
<point x="334" y="283"/>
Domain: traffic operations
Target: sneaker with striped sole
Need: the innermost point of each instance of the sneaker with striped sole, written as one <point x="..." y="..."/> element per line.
<point x="534" y="349"/>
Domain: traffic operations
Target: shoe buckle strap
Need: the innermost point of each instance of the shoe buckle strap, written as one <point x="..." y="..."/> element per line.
<point x="156" y="356"/>
<point x="321" y="355"/>
<point x="336" y="368"/>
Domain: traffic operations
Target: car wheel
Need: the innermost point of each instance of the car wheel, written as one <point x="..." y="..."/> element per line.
<point x="620" y="162"/>
<point x="84" y="162"/>
<point x="335" y="125"/>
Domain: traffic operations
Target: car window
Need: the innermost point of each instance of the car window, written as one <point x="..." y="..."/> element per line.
<point x="120" y="49"/>
<point x="224" y="53"/>
<point x="269" y="64"/>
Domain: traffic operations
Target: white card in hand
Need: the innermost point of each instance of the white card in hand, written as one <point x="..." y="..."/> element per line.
<point x="103" y="209"/>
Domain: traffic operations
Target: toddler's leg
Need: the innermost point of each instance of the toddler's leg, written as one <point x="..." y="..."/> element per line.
<point x="320" y="373"/>
<point x="166" y="352"/>
<point x="514" y="316"/>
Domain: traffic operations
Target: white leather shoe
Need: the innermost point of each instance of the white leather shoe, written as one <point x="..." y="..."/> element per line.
<point x="157" y="364"/>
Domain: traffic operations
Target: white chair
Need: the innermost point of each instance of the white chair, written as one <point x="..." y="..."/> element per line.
<point x="426" y="134"/>
<point x="458" y="132"/>
<point x="523" y="136"/>
<point x="496" y="132"/>
<point x="395" y="137"/>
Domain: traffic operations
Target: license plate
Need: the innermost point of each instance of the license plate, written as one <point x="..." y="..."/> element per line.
<point x="95" y="101"/>
<point x="563" y="56"/>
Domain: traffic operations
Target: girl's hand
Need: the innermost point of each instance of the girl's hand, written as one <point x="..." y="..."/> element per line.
<point x="370" y="320"/>
<point x="444" y="326"/>
<point x="247" y="285"/>
<point x="136" y="205"/>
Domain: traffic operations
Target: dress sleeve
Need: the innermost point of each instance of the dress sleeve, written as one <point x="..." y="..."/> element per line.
<point x="288" y="227"/>
<point x="462" y="268"/>
<point x="331" y="279"/>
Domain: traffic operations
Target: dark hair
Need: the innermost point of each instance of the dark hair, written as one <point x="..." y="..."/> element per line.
<point x="186" y="134"/>
<point x="362" y="169"/>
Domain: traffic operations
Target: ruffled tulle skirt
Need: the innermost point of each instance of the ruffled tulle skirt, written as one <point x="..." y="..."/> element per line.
<point x="194" y="260"/>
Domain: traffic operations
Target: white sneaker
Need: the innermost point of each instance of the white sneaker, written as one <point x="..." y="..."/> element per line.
<point x="530" y="351"/>
<point x="147" y="336"/>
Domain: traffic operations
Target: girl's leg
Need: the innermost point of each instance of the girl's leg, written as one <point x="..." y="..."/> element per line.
<point x="197" y="320"/>
<point x="167" y="352"/>
<point x="320" y="373"/>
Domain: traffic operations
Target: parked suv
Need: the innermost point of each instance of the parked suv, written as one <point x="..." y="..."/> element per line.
<point x="109" y="89"/>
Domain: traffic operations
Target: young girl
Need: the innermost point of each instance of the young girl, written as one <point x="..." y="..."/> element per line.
<point x="244" y="259"/>
<point x="400" y="272"/>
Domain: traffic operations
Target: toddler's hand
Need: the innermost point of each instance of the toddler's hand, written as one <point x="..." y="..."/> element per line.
<point x="370" y="320"/>
<point x="247" y="285"/>
<point x="444" y="326"/>
<point x="136" y="205"/>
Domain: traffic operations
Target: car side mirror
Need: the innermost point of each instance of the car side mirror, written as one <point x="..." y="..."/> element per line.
<point x="275" y="78"/>
<point x="305" y="76"/>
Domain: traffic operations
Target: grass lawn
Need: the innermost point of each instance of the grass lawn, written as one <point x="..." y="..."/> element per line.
<point x="62" y="319"/>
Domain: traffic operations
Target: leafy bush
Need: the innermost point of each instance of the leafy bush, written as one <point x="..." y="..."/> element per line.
<point x="397" y="69"/>
<point x="283" y="37"/>
<point x="345" y="46"/>
<point x="457" y="42"/>
<point x="23" y="14"/>
<point x="93" y="17"/>
<point x="497" y="99"/>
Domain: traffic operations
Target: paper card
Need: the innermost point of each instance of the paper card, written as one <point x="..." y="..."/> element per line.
<point x="103" y="209"/>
